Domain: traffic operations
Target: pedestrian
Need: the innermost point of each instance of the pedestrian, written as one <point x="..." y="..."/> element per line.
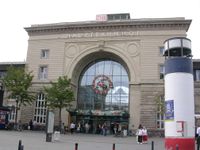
<point x="139" y="134"/>
<point x="144" y="135"/>
<point x="20" y="128"/>
<point x="62" y="128"/>
<point x="99" y="129"/>
<point x="115" y="129"/>
<point x="87" y="128"/>
<point x="30" y="124"/>
<point x="119" y="130"/>
<point x="104" y="128"/>
<point x="72" y="127"/>
<point x="198" y="135"/>
<point x="78" y="129"/>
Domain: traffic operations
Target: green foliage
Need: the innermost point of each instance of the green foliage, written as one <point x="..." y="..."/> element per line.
<point x="160" y="102"/>
<point x="59" y="94"/>
<point x="17" y="82"/>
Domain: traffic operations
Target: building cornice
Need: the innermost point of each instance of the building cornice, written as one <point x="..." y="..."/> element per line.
<point x="196" y="60"/>
<point x="95" y="26"/>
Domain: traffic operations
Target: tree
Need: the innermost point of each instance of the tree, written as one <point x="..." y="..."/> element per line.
<point x="160" y="102"/>
<point x="59" y="95"/>
<point x="17" y="83"/>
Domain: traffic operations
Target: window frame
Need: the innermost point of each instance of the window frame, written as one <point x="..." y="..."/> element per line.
<point x="94" y="97"/>
<point x="44" y="54"/>
<point x="12" y="115"/>
<point x="40" y="110"/>
<point x="161" y="73"/>
<point x="43" y="75"/>
<point x="160" y="116"/>
<point x="197" y="74"/>
<point x="161" y="50"/>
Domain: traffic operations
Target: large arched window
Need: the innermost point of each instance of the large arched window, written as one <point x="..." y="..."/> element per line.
<point x="103" y="85"/>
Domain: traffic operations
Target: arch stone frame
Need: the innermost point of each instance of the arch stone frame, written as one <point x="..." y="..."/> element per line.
<point x="94" y="53"/>
<point x="115" y="52"/>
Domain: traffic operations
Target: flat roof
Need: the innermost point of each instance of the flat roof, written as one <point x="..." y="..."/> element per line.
<point x="196" y="60"/>
<point x="13" y="63"/>
<point x="109" y="21"/>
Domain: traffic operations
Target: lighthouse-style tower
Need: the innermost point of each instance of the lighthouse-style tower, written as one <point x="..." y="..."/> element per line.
<point x="179" y="95"/>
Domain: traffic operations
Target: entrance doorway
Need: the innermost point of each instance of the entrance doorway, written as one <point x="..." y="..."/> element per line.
<point x="96" y="122"/>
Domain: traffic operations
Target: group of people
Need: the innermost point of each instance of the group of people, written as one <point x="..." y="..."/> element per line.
<point x="20" y="127"/>
<point x="141" y="135"/>
<point x="102" y="129"/>
<point x="86" y="128"/>
<point x="78" y="127"/>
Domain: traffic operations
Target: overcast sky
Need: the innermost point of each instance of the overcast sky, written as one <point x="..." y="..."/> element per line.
<point x="17" y="14"/>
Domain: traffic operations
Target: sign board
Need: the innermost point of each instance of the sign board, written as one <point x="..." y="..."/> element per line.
<point x="180" y="126"/>
<point x="102" y="17"/>
<point x="50" y="123"/>
<point x="169" y="110"/>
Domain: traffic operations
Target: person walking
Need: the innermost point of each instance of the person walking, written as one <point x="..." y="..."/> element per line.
<point x="62" y="128"/>
<point x="198" y="136"/>
<point x="20" y="128"/>
<point x="78" y="129"/>
<point x="104" y="128"/>
<point x="139" y="134"/>
<point x="144" y="135"/>
<point x="31" y="124"/>
<point x="72" y="127"/>
<point x="87" y="128"/>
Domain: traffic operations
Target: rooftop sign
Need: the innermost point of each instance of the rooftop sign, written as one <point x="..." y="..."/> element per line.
<point x="101" y="17"/>
<point x="106" y="17"/>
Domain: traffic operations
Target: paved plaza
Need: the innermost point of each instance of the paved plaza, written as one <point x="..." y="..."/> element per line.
<point x="37" y="141"/>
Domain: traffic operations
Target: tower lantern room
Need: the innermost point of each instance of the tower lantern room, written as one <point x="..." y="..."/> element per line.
<point x="177" y="47"/>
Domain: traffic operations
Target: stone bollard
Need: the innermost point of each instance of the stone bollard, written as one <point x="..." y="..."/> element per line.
<point x="76" y="146"/>
<point x="22" y="147"/>
<point x="19" y="145"/>
<point x="152" y="145"/>
<point x="177" y="147"/>
<point x="113" y="148"/>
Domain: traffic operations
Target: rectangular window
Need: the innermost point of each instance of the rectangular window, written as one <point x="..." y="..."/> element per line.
<point x="197" y="75"/>
<point x="162" y="71"/>
<point x="12" y="115"/>
<point x="43" y="72"/>
<point x="161" y="50"/>
<point x="160" y="113"/>
<point x="40" y="109"/>
<point x="44" y="54"/>
<point x="2" y="74"/>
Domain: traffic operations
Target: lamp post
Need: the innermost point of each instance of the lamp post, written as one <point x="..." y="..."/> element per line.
<point x="179" y="94"/>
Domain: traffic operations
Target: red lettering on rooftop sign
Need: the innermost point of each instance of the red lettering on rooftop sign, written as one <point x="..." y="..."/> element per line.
<point x="101" y="18"/>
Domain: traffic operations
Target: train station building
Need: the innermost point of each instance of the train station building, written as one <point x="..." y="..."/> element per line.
<point x="116" y="66"/>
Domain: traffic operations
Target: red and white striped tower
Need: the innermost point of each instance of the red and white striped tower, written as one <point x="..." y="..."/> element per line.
<point x="179" y="95"/>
